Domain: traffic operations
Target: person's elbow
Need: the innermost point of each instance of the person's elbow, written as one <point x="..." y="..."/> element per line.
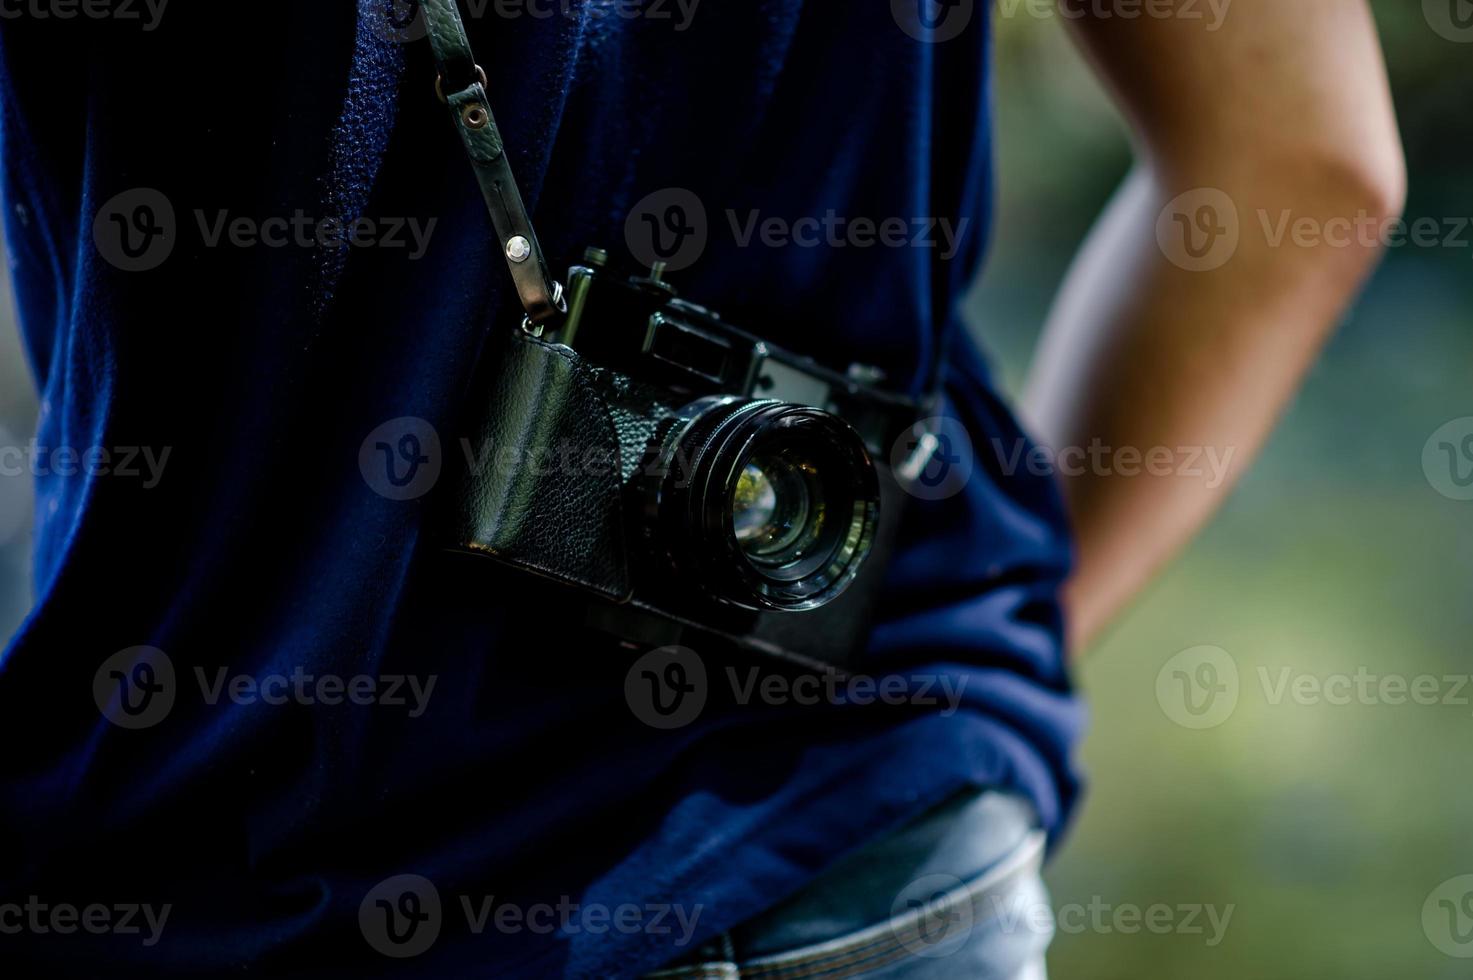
<point x="1358" y="195"/>
<point x="1308" y="206"/>
<point x="1384" y="184"/>
<point x="1315" y="166"/>
<point x="1328" y="217"/>
<point x="1369" y="180"/>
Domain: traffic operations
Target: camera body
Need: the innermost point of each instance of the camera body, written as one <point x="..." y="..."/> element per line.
<point x="693" y="483"/>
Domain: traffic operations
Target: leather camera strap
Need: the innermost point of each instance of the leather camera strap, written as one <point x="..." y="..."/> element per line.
<point x="461" y="85"/>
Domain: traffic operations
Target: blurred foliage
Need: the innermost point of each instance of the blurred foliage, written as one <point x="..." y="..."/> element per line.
<point x="1326" y="826"/>
<point x="17" y="422"/>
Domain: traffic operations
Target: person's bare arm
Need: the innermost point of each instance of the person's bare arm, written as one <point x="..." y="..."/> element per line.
<point x="1286" y="110"/>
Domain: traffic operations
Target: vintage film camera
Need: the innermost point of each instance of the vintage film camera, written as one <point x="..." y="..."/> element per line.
<point x="696" y="484"/>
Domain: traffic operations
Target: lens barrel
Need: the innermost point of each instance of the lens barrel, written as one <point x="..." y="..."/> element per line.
<point x="768" y="505"/>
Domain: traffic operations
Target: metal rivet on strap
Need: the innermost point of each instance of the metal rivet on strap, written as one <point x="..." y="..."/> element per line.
<point x="518" y="249"/>
<point x="474" y="116"/>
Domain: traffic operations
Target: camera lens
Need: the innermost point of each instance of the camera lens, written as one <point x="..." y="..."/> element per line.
<point x="769" y="505"/>
<point x="771" y="508"/>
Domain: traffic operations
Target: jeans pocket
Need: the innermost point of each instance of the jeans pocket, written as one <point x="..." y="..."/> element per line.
<point x="995" y="926"/>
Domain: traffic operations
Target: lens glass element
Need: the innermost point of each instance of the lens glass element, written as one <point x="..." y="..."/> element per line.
<point x="777" y="508"/>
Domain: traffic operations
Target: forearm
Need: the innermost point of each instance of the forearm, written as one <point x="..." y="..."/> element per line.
<point x="1167" y="381"/>
<point x="1152" y="349"/>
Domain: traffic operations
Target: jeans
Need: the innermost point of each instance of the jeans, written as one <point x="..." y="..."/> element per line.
<point x="955" y="894"/>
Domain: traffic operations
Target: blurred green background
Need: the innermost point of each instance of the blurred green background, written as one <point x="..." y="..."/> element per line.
<point x="1326" y="827"/>
<point x="17" y="424"/>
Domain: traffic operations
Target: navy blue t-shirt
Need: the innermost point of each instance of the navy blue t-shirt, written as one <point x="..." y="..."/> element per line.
<point x="176" y="190"/>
